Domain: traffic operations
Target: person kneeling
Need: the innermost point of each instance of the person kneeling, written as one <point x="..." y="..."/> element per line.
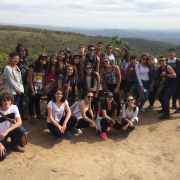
<point x="108" y="116"/>
<point x="9" y="128"/>
<point x="129" y="114"/>
<point x="59" y="120"/>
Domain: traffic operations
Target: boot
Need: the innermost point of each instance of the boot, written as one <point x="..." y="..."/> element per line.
<point x="32" y="120"/>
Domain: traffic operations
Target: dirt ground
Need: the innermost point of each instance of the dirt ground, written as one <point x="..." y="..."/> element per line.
<point x="150" y="152"/>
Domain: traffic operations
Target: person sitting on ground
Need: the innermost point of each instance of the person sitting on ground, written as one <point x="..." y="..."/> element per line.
<point x="8" y="129"/>
<point x="108" y="116"/>
<point x="84" y="113"/>
<point x="129" y="114"/>
<point x="59" y="119"/>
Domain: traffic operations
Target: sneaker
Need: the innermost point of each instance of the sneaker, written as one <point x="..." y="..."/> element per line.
<point x="78" y="131"/>
<point x="103" y="136"/>
<point x="149" y="108"/>
<point x="177" y="111"/>
<point x="32" y="120"/>
<point x="142" y="109"/>
<point x="68" y="134"/>
<point x="18" y="148"/>
<point x="161" y="111"/>
<point x="164" y="117"/>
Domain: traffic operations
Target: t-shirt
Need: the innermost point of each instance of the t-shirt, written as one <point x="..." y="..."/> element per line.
<point x="50" y="75"/>
<point x="57" y="112"/>
<point x="132" y="76"/>
<point x="12" y="113"/>
<point x="23" y="68"/>
<point x="104" y="106"/>
<point x="122" y="65"/>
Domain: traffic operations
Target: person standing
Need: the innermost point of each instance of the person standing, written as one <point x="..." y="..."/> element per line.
<point x="170" y="84"/>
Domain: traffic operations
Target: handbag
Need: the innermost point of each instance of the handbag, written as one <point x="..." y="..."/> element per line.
<point x="48" y="87"/>
<point x="23" y="141"/>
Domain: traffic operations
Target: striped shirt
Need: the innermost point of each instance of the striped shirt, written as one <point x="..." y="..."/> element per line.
<point x="154" y="75"/>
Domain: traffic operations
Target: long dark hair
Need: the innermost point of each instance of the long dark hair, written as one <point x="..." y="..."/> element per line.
<point x="65" y="71"/>
<point x="126" y="56"/>
<point x="49" y="66"/>
<point x="75" y="65"/>
<point x="93" y="74"/>
<point x="64" y="60"/>
<point x="18" y="49"/>
<point x="38" y="67"/>
<point x="63" y="95"/>
<point x="112" y="104"/>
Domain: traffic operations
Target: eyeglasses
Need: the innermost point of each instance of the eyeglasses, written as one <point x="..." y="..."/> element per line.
<point x="105" y="62"/>
<point x="144" y="58"/>
<point x="44" y="58"/>
<point x="89" y="97"/>
<point x="89" y="68"/>
<point x="109" y="48"/>
<point x="162" y="60"/>
<point x="129" y="100"/>
<point x="91" y="49"/>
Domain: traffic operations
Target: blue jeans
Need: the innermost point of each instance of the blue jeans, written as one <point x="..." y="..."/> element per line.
<point x="16" y="136"/>
<point x="16" y="100"/>
<point x="165" y="95"/>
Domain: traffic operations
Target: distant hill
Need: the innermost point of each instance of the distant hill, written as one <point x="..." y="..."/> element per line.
<point x="169" y="36"/>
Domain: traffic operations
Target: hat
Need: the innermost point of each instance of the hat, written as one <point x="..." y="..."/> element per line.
<point x="43" y="55"/>
<point x="77" y="54"/>
<point x="109" y="94"/>
<point x="67" y="50"/>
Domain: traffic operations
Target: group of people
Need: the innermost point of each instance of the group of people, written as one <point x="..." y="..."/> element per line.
<point x="77" y="82"/>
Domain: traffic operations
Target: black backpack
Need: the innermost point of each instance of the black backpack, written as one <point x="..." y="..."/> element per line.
<point x="134" y="108"/>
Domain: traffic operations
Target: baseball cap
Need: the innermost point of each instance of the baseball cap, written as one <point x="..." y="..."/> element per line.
<point x="109" y="94"/>
<point x="77" y="54"/>
<point x="67" y="50"/>
<point x="43" y="55"/>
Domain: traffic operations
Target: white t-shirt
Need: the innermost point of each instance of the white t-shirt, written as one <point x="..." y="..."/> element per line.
<point x="12" y="113"/>
<point x="88" y="81"/>
<point x="131" y="115"/>
<point x="57" y="113"/>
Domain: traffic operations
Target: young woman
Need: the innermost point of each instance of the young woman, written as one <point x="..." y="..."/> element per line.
<point x="51" y="73"/>
<point x="92" y="83"/>
<point x="129" y="113"/>
<point x="108" y="116"/>
<point x="68" y="55"/>
<point x="59" y="120"/>
<point x="62" y="59"/>
<point x="35" y="77"/>
<point x="8" y="129"/>
<point x="111" y="78"/>
<point x="123" y="62"/>
<point x="155" y="82"/>
<point x="84" y="113"/>
<point x="143" y="83"/>
<point x="76" y="63"/>
<point x="22" y="50"/>
<point x="13" y="78"/>
<point x="67" y="83"/>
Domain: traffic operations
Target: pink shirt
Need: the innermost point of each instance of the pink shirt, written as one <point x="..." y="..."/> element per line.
<point x="49" y="76"/>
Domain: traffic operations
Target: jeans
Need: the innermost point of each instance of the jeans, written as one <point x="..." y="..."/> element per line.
<point x="16" y="136"/>
<point x="152" y="95"/>
<point x="34" y="101"/>
<point x="128" y="86"/>
<point x="16" y="100"/>
<point x="165" y="95"/>
<point x="70" y="124"/>
<point x="105" y="123"/>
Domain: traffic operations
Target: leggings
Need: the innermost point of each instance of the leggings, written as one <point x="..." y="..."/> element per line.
<point x="143" y="96"/>
<point x="152" y="95"/>
<point x="117" y="97"/>
<point x="105" y="123"/>
<point x="70" y="124"/>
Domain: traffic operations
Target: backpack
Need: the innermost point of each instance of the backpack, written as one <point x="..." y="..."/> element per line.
<point x="134" y="108"/>
<point x="73" y="107"/>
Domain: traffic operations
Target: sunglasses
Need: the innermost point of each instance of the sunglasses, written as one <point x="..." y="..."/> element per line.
<point x="129" y="100"/>
<point x="144" y="58"/>
<point x="109" y="47"/>
<point x="109" y="96"/>
<point x="91" y="49"/>
<point x="89" y="68"/>
<point x="162" y="60"/>
<point x="44" y="58"/>
<point x="80" y="47"/>
<point x="89" y="97"/>
<point x="105" y="62"/>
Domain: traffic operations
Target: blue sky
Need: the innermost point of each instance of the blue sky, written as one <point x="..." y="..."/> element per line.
<point x="116" y="14"/>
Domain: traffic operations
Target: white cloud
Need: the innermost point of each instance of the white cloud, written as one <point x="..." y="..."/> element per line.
<point x="94" y="14"/>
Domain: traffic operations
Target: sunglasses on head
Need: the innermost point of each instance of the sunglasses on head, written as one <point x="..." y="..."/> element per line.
<point x="162" y="60"/>
<point x="89" y="97"/>
<point x="44" y="58"/>
<point x="91" y="49"/>
<point x="129" y="100"/>
<point x="88" y="67"/>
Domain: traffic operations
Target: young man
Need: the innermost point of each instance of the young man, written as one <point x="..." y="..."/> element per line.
<point x="99" y="52"/>
<point x="130" y="74"/>
<point x="172" y="61"/>
<point x="91" y="58"/>
<point x="170" y="84"/>
<point x="81" y="50"/>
